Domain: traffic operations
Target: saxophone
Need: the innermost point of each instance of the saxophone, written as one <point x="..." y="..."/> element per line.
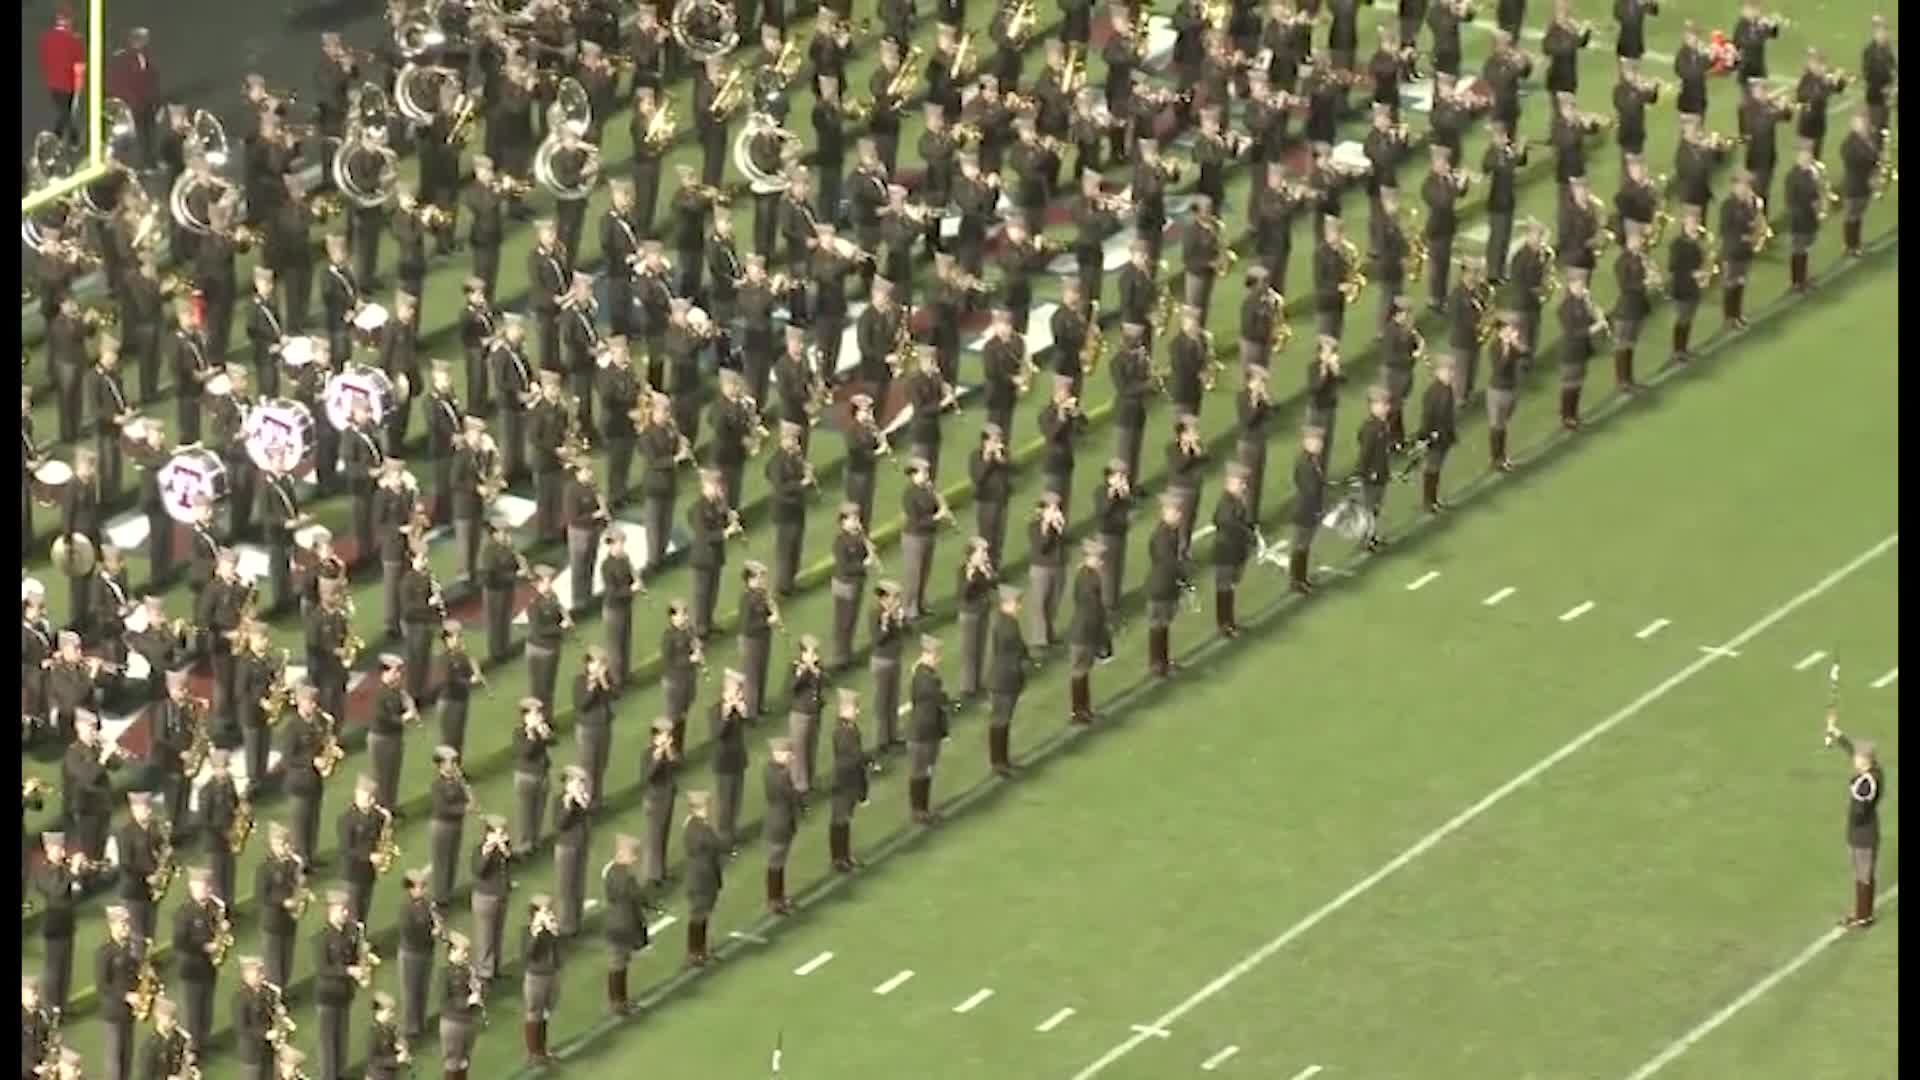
<point x="1095" y="348"/>
<point x="1355" y="279"/>
<point x="147" y="987"/>
<point x="1486" y="322"/>
<point x="365" y="959"/>
<point x="281" y="1032"/>
<point x="331" y="752"/>
<point x="222" y="932"/>
<point x="165" y="869"/>
<point x="386" y="851"/>
<point x="660" y="128"/>
<point x="242" y="827"/>
<point x="202" y="743"/>
<point x="274" y="702"/>
<point x="902" y="82"/>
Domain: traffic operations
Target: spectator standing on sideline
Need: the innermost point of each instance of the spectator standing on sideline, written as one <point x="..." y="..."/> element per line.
<point x="62" y="58"/>
<point x="131" y="78"/>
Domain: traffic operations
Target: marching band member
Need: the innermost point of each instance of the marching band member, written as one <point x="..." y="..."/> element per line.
<point x="1437" y="407"/>
<point x="1636" y="276"/>
<point x="851" y="765"/>
<point x="1046" y="538"/>
<point x="198" y="927"/>
<point x="593" y="694"/>
<point x="783" y="806"/>
<point x="705" y="855"/>
<point x="1310" y="493"/>
<point x="1580" y="322"/>
<point x="547" y="624"/>
<point x="338" y="974"/>
<point x="1743" y="226"/>
<point x="587" y="520"/>
<point x="359" y="829"/>
<point x="978" y="583"/>
<point x="58" y="881"/>
<point x="573" y="811"/>
<point x="170" y="1051"/>
<point x="492" y="884"/>
<point x="925" y="510"/>
<point x="222" y="801"/>
<point x="712" y="523"/>
<point x="307" y="736"/>
<point x="727" y="720"/>
<point x="280" y="882"/>
<point x="445" y="423"/>
<point x="927" y="729"/>
<point x="626" y="921"/>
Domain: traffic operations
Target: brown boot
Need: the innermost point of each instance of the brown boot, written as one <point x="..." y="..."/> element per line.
<point x="1082" y="700"/>
<point x="1157" y="652"/>
<point x="530" y="1036"/>
<point x="540" y="1042"/>
<point x="1682" y="335"/>
<point x="1223" y="612"/>
<point x="1623" y="369"/>
<point x="1497" y="449"/>
<point x="1862" y="916"/>
<point x="1297" y="573"/>
<point x="998" y="753"/>
<point x="777" y="901"/>
<point x="1430" y="493"/>
<point x="1570" y="409"/>
<point x="919" y="796"/>
<point x="697" y="943"/>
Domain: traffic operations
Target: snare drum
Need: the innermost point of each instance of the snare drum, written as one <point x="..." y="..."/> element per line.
<point x="50" y="482"/>
<point x="359" y="383"/>
<point x="279" y="434"/>
<point x="191" y="474"/>
<point x="133" y="436"/>
<point x="298" y="352"/>
<point x="368" y="323"/>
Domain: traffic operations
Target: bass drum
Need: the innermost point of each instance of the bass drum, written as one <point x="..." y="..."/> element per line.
<point x="192" y="474"/>
<point x="279" y="435"/>
<point x="50" y="482"/>
<point x="356" y="384"/>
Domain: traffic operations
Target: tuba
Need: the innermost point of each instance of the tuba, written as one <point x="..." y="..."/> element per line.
<point x="416" y="92"/>
<point x="704" y="28"/>
<point x="760" y="180"/>
<point x="571" y="113"/>
<point x="121" y="139"/>
<point x="365" y="169"/>
<point x="208" y="158"/>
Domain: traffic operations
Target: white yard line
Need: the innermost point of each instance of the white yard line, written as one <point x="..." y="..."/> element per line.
<point x="1422" y="581"/>
<point x="1152" y="1032"/>
<point x="739" y="936"/>
<point x="814" y="964"/>
<point x="1218" y="1059"/>
<point x="974" y="1002"/>
<point x="1653" y="628"/>
<point x="1308" y="1073"/>
<point x="1718" y="650"/>
<point x="1886" y="680"/>
<point x="1054" y="1021"/>
<point x="655" y="929"/>
<point x="1459" y="821"/>
<point x="1686" y="1042"/>
<point x="1575" y="612"/>
<point x="1204" y="531"/>
<point x="1494" y="600"/>
<point x="1810" y="659"/>
<point x="894" y="983"/>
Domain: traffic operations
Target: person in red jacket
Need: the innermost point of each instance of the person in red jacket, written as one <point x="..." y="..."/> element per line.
<point x="131" y="78"/>
<point x="62" y="59"/>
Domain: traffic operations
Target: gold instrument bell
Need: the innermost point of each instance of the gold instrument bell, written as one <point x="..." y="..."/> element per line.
<point x="73" y="553"/>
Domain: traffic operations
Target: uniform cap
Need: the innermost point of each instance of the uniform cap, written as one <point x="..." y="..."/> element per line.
<point x="118" y="913"/>
<point x="781" y="745"/>
<point x="494" y="821"/>
<point x="662" y="724"/>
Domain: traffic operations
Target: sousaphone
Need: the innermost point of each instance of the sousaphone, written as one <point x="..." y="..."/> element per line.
<point x="704" y="28"/>
<point x="365" y="169"/>
<point x="204" y="182"/>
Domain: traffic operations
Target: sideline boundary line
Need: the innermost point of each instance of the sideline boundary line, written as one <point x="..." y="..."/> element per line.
<point x="1487" y="802"/>
<point x="1753" y="993"/>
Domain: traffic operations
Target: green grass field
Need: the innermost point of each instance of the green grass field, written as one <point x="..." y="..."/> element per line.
<point x="1444" y="819"/>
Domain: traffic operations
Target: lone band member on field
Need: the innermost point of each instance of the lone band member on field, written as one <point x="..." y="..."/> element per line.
<point x="1863" y="818"/>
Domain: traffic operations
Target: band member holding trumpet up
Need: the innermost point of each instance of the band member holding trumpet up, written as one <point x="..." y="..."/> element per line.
<point x="593" y="697"/>
<point x="1761" y="114"/>
<point x="1581" y="322"/>
<point x="1751" y="32"/>
<point x="492" y="871"/>
<point x="626" y="922"/>
<point x="547" y="625"/>
<point x="759" y="617"/>
<point x="978" y="582"/>
<point x="1636" y="277"/>
<point x="1743" y="232"/>
<point x="726" y="725"/>
<point x="452" y="802"/>
<point x="58" y="882"/>
<point x="573" y="811"/>
<point x="925" y="510"/>
<point x="712" y="523"/>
